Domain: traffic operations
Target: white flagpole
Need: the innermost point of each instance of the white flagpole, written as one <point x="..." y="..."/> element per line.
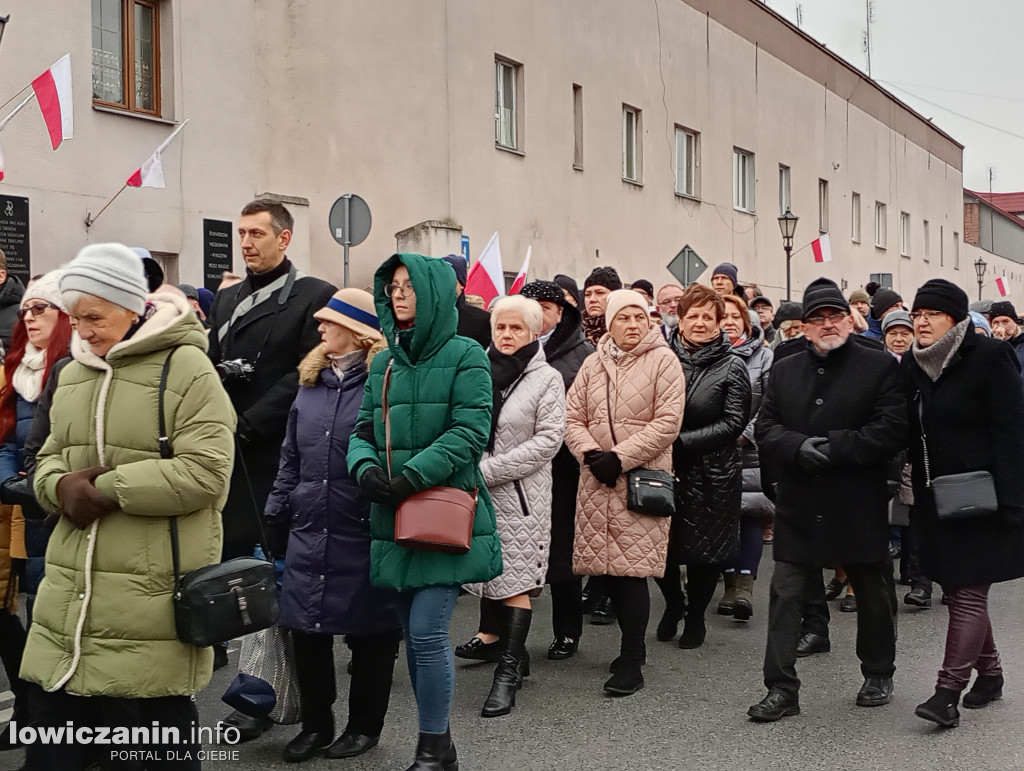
<point x="174" y="133"/>
<point x="16" y="110"/>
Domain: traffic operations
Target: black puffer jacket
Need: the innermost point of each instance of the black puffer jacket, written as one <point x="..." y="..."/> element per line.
<point x="706" y="525"/>
<point x="11" y="293"/>
<point x="567" y="347"/>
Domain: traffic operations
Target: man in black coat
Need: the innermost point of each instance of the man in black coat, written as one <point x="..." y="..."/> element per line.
<point x="832" y="418"/>
<point x="474" y="322"/>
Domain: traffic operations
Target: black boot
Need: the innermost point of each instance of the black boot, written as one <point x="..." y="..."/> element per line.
<point x="669" y="624"/>
<point x="627" y="676"/>
<point x="435" y="752"/>
<point x="941" y="708"/>
<point x="508" y="675"/>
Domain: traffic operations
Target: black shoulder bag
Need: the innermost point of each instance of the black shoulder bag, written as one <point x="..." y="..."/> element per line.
<point x="217" y="603"/>
<point x="647" y="491"/>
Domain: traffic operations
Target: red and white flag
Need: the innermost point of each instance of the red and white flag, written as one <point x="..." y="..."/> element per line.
<point x="1001" y="285"/>
<point x="822" y="249"/>
<point x="2" y="164"/>
<point x="517" y="285"/>
<point x="151" y="173"/>
<point x="486" y="278"/>
<point x="53" y="92"/>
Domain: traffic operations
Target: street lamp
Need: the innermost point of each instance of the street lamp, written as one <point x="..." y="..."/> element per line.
<point x="980" y="266"/>
<point x="787" y="224"/>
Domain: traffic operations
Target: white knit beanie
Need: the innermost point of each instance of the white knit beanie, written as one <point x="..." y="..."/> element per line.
<point x="110" y="271"/>
<point x="45" y="288"/>
<point x="623" y="298"/>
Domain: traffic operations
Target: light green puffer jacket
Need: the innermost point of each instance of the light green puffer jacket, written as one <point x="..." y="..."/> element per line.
<point x="104" y="622"/>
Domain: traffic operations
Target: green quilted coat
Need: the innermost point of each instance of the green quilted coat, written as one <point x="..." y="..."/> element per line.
<point x="440" y="399"/>
<point x="104" y="620"/>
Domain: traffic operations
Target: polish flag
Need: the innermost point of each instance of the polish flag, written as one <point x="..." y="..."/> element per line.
<point x="822" y="249"/>
<point x="2" y="164"/>
<point x="487" y="278"/>
<point x="517" y="285"/>
<point x="1001" y="285"/>
<point x="53" y="92"/>
<point x="151" y="173"/>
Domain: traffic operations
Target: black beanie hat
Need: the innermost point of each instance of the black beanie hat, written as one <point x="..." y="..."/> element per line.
<point x="606" y="276"/>
<point x="544" y="291"/>
<point x="788" y="311"/>
<point x="730" y="271"/>
<point x="941" y="295"/>
<point x="883" y="300"/>
<point x="458" y="263"/>
<point x="568" y="283"/>
<point x="644" y="285"/>
<point x="823" y="293"/>
<point x="1003" y="308"/>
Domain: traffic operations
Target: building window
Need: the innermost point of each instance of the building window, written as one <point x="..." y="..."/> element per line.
<point x="927" y="242"/>
<point x="126" y="55"/>
<point x="507" y="91"/>
<point x="855" y="217"/>
<point x="942" y="245"/>
<point x="956" y="251"/>
<point x="632" y="144"/>
<point x="822" y="205"/>
<point x="880" y="225"/>
<point x="882" y="279"/>
<point x="742" y="180"/>
<point x="785" y="191"/>
<point x="687" y="162"/>
<point x="577" y="126"/>
<point x="904" y="234"/>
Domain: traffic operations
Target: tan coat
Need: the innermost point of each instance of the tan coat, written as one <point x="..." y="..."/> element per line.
<point x="647" y="393"/>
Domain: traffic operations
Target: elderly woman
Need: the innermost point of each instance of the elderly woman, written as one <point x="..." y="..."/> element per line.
<point x="966" y="414"/>
<point x="623" y="411"/>
<point x="706" y="523"/>
<point x="104" y="618"/>
<point x="527" y="425"/>
<point x="326" y="586"/>
<point x="440" y="415"/>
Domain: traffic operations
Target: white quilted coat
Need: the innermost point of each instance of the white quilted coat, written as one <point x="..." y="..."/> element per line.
<point x="518" y="474"/>
<point x="647" y="391"/>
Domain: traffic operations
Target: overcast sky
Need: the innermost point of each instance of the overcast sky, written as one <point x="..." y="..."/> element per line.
<point x="958" y="62"/>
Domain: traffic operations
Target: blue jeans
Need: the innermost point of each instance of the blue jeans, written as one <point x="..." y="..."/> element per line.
<point x="426" y="614"/>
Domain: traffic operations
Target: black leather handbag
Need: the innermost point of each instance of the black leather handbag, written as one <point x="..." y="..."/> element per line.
<point x="648" y="491"/>
<point x="217" y="603"/>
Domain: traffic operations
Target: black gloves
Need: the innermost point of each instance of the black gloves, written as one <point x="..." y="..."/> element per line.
<point x="81" y="502"/>
<point x="606" y="467"/>
<point x="277" y="537"/>
<point x="16" y="491"/>
<point x="812" y="457"/>
<point x="375" y="485"/>
<point x="401" y="488"/>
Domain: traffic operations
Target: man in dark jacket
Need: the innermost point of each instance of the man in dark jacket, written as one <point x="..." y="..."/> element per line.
<point x="474" y="323"/>
<point x="11" y="292"/>
<point x="1006" y="327"/>
<point x="832" y="418"/>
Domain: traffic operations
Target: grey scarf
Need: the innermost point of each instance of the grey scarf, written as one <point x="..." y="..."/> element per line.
<point x="936" y="357"/>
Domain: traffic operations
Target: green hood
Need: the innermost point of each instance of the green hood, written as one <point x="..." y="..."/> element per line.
<point x="436" y="317"/>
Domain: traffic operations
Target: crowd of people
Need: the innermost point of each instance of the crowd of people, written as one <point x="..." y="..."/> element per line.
<point x="615" y="433"/>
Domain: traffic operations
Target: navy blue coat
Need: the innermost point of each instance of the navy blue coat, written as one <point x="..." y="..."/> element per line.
<point x="12" y="461"/>
<point x="326" y="584"/>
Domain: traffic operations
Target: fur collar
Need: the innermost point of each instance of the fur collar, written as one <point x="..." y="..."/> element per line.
<point x="316" y="361"/>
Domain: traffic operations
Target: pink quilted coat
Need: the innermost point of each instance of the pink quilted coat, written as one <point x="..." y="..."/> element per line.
<point x="647" y="393"/>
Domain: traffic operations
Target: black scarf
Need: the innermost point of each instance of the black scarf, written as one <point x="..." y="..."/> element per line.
<point x="506" y="369"/>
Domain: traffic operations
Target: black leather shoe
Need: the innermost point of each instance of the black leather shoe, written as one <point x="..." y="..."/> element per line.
<point x="834" y="588"/>
<point x="562" y="648"/>
<point x="775" y="706"/>
<point x="306" y="745"/>
<point x="876" y="692"/>
<point x="249" y="728"/>
<point x="986" y="689"/>
<point x="848" y="604"/>
<point x="435" y="752"/>
<point x="627" y="680"/>
<point x="919" y="598"/>
<point x="603" y="614"/>
<point x="349" y="745"/>
<point x="477" y="650"/>
<point x="941" y="708"/>
<point x="811" y="643"/>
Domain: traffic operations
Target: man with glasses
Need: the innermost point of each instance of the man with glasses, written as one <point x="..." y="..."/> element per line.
<point x="668" y="307"/>
<point x="833" y="417"/>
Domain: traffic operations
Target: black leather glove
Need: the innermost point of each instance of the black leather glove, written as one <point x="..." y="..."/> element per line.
<point x="244" y="431"/>
<point x="606" y="468"/>
<point x="375" y="485"/>
<point x="16" y="491"/>
<point x="401" y="488"/>
<point x="277" y="536"/>
<point x="811" y="458"/>
<point x="590" y="455"/>
<point x="81" y="502"/>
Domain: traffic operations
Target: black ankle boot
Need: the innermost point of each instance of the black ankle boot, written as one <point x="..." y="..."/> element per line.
<point x="508" y="674"/>
<point x="941" y="708"/>
<point x="986" y="689"/>
<point x="669" y="624"/>
<point x="435" y="752"/>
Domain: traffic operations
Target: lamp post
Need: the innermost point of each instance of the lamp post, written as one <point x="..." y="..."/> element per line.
<point x="980" y="266"/>
<point x="787" y="224"/>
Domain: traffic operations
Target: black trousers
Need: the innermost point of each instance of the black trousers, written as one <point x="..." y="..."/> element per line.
<point x="12" y="646"/>
<point x="632" y="602"/>
<point x="816" y="614"/>
<point x="791" y="587"/>
<point x="918" y="580"/>
<point x="373" y="667"/>
<point x="567" y="608"/>
<point x="168" y="712"/>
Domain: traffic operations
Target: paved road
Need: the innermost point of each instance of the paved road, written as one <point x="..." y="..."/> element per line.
<point x="692" y="713"/>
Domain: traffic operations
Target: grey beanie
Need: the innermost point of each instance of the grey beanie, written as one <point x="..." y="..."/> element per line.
<point x="110" y="271"/>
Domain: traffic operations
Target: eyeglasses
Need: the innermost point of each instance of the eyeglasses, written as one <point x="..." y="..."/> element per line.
<point x="402" y="289"/>
<point x="819" y="321"/>
<point x="37" y="310"/>
<point x="929" y="315"/>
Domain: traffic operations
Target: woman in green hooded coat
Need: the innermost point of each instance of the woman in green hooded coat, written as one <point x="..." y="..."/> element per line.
<point x="440" y="402"/>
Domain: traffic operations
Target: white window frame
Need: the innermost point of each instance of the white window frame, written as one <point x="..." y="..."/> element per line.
<point x="823" y="206"/>
<point x="506" y="105"/>
<point x="785" y="189"/>
<point x="855" y="217"/>
<point x="904" y="234"/>
<point x="881" y="225"/>
<point x="632" y="144"/>
<point x="687" y="154"/>
<point x="743" y="180"/>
